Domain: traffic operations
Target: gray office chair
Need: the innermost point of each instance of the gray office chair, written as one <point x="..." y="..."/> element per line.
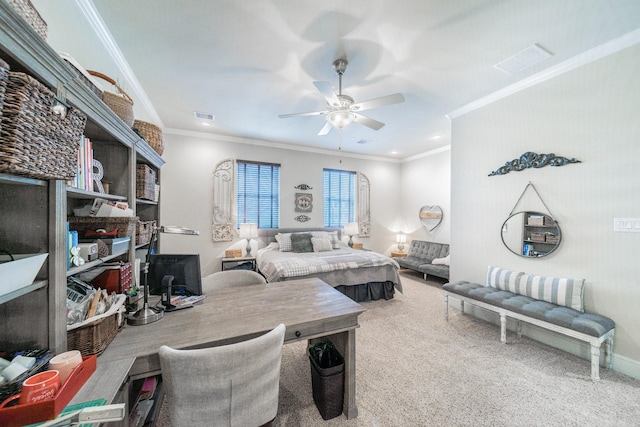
<point x="231" y="385"/>
<point x="224" y="279"/>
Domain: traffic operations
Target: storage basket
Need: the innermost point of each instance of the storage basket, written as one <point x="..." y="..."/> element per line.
<point x="14" y="386"/>
<point x="120" y="103"/>
<point x="30" y="15"/>
<point x="126" y="226"/>
<point x="233" y="253"/>
<point x="144" y="230"/>
<point x="95" y="336"/>
<point x="82" y="74"/>
<point x="145" y="182"/>
<point x="537" y="237"/>
<point x="34" y="141"/>
<point x="327" y="385"/>
<point x="150" y="133"/>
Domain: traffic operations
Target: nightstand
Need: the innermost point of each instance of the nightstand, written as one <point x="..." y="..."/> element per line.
<point x="239" y="263"/>
<point x="396" y="254"/>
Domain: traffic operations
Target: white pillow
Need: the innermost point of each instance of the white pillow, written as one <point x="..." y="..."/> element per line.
<point x="441" y="261"/>
<point x="321" y="244"/>
<point x="284" y="240"/>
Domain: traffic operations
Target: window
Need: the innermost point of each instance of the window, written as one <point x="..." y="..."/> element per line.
<point x="339" y="197"/>
<point x="258" y="194"/>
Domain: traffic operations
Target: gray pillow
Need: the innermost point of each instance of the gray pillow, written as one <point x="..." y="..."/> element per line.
<point x="301" y="242"/>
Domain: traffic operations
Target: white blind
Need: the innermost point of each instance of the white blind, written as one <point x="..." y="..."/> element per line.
<point x="258" y="194"/>
<point x="339" y="197"/>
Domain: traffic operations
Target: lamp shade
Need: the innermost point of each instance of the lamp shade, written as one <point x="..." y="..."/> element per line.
<point x="340" y="119"/>
<point x="401" y="238"/>
<point x="351" y="229"/>
<point x="248" y="230"/>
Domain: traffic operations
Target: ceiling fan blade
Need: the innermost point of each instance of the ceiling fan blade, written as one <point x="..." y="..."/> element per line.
<point x="312" y="113"/>
<point x="326" y="90"/>
<point x="325" y="129"/>
<point x="396" y="98"/>
<point x="368" y="122"/>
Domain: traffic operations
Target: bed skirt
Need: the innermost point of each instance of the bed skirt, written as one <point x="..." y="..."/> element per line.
<point x="368" y="291"/>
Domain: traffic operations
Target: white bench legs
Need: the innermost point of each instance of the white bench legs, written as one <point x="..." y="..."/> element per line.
<point x="594" y="342"/>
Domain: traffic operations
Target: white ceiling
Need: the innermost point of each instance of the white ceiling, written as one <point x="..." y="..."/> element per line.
<point x="247" y="61"/>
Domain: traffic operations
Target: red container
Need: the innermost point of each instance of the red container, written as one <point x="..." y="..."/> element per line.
<point x="20" y="415"/>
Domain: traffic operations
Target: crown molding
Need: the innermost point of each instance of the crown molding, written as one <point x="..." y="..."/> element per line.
<point x="570" y="64"/>
<point x="94" y="19"/>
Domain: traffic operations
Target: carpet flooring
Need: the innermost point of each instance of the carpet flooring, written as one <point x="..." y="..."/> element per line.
<point x="415" y="369"/>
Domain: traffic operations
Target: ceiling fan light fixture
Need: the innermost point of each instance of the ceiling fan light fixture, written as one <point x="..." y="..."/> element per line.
<point x="340" y="119"/>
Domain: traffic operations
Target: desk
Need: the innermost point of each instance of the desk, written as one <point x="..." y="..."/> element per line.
<point x="309" y="308"/>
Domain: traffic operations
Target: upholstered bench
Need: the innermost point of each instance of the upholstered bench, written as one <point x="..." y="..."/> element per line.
<point x="548" y="302"/>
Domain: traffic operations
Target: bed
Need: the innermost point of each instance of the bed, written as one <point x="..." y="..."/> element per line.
<point x="359" y="274"/>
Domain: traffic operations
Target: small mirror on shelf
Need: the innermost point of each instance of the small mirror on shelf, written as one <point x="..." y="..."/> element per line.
<point x="430" y="217"/>
<point x="531" y="234"/>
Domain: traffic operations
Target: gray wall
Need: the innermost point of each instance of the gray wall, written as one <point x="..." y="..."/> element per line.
<point x="186" y="190"/>
<point x="590" y="114"/>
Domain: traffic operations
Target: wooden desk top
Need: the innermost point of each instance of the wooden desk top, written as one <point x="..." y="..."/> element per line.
<point x="308" y="308"/>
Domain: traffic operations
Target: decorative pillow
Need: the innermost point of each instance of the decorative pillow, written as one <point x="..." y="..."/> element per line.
<point x="441" y="261"/>
<point x="284" y="240"/>
<point x="562" y="291"/>
<point x="321" y="244"/>
<point x="301" y="242"/>
<point x="335" y="242"/>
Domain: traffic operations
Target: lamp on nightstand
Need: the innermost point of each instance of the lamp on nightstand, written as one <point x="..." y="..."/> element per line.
<point x="401" y="239"/>
<point x="248" y="231"/>
<point x="351" y="229"/>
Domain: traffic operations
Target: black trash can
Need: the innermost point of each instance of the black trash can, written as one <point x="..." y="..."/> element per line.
<point x="327" y="379"/>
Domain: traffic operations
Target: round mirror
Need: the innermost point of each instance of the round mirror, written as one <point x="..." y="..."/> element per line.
<point x="430" y="217"/>
<point x="531" y="234"/>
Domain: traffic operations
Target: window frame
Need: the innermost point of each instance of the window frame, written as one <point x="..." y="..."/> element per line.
<point x="262" y="197"/>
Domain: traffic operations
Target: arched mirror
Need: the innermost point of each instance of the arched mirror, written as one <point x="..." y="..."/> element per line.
<point x="531" y="234"/>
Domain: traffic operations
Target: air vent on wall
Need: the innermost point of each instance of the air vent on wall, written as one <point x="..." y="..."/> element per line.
<point x="523" y="60"/>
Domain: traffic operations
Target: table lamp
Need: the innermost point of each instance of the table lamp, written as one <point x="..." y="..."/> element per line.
<point x="248" y="231"/>
<point x="401" y="239"/>
<point x="148" y="314"/>
<point x="351" y="229"/>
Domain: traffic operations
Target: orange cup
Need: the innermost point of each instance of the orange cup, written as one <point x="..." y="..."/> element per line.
<point x="37" y="388"/>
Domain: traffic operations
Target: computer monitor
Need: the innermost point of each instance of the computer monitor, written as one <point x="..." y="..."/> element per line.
<point x="185" y="269"/>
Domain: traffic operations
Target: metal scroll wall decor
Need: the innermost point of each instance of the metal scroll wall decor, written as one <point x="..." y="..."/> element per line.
<point x="223" y="194"/>
<point x="532" y="160"/>
<point x="364" y="212"/>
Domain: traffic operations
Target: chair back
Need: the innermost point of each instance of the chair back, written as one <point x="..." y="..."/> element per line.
<point x="231" y="385"/>
<point x="225" y="279"/>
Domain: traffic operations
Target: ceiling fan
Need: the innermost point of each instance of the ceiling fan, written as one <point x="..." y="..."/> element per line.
<point x="341" y="109"/>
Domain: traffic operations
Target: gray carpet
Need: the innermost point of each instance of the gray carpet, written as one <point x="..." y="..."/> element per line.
<point x="416" y="369"/>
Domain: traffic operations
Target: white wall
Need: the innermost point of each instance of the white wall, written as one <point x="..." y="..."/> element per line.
<point x="186" y="191"/>
<point x="590" y="114"/>
<point x="426" y="181"/>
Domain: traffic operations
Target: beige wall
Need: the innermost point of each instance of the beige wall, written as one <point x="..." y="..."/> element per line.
<point x="591" y="114"/>
<point x="187" y="191"/>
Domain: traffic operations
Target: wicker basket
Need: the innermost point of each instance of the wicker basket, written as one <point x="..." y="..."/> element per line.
<point x="81" y="73"/>
<point x="14" y="386"/>
<point x="34" y="141"/>
<point x="144" y="229"/>
<point x="145" y="182"/>
<point x="233" y="253"/>
<point x="327" y="386"/>
<point x="150" y="133"/>
<point x="31" y="15"/>
<point x="95" y="337"/>
<point x="126" y="226"/>
<point x="120" y="103"/>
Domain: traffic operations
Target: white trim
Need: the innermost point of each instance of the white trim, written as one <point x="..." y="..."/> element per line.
<point x="626" y="365"/>
<point x="570" y="64"/>
<point x="271" y="144"/>
<point x="95" y="21"/>
<point x="427" y="153"/>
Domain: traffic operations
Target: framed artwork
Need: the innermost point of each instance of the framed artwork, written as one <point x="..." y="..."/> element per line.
<point x="304" y="202"/>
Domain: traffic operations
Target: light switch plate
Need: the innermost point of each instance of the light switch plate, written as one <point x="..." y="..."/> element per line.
<point x="626" y="225"/>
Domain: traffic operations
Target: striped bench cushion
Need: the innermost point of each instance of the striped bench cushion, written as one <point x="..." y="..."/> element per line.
<point x="556" y="290"/>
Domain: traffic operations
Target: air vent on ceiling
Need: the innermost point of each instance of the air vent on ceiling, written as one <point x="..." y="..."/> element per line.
<point x="523" y="60"/>
<point x="204" y="116"/>
<point x="364" y="141"/>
